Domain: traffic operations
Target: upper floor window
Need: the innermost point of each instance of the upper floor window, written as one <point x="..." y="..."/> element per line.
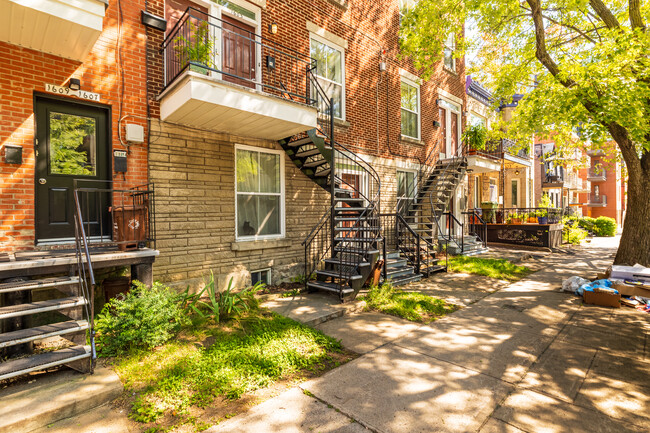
<point x="330" y="72"/>
<point x="410" y="104"/>
<point x="450" y="47"/>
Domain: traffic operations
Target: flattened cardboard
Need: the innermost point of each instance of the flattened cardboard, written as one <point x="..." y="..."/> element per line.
<point x="602" y="299"/>
<point x="628" y="290"/>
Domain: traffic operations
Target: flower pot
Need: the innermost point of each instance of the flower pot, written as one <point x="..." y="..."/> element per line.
<point x="542" y="220"/>
<point x="532" y="220"/>
<point x="515" y="221"/>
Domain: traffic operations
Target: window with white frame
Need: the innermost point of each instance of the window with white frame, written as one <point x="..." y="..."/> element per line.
<point x="406" y="188"/>
<point x="260" y="193"/>
<point x="330" y="72"/>
<point x="410" y="103"/>
<point x="475" y="120"/>
<point x="449" y="49"/>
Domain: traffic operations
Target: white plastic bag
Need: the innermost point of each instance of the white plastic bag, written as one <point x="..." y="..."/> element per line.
<point x="572" y="284"/>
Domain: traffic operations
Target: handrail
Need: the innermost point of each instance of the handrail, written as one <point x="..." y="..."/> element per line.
<point x="472" y="223"/>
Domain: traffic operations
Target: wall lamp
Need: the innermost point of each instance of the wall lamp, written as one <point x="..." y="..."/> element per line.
<point x="74" y="84"/>
<point x="438" y="101"/>
<point x="517" y="172"/>
<point x="273" y="28"/>
<point x="153" y="21"/>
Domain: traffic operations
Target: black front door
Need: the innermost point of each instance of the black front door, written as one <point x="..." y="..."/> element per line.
<point x="72" y="143"/>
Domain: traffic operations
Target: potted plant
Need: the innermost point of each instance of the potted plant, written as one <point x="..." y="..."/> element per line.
<point x="515" y="218"/>
<point x="542" y="216"/>
<point x="197" y="49"/>
<point x="499" y="216"/>
<point x="475" y="136"/>
<point x="488" y="208"/>
<point x="531" y="217"/>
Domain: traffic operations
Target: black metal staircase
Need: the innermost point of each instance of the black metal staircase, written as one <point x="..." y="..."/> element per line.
<point x="343" y="248"/>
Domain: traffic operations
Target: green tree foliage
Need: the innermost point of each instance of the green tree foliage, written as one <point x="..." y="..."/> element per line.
<point x="583" y="65"/>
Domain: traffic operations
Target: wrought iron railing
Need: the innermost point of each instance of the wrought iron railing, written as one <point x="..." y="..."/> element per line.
<point x="597" y="200"/>
<point x="496" y="149"/>
<point x="200" y="42"/>
<point x="597" y="173"/>
<point x="476" y="226"/>
<point x="522" y="215"/>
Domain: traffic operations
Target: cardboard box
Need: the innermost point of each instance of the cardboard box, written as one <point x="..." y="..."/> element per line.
<point x="636" y="272"/>
<point x="629" y="290"/>
<point x="602" y="299"/>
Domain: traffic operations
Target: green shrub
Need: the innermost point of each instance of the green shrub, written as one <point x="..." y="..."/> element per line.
<point x="571" y="231"/>
<point x="587" y="223"/>
<point x="604" y="226"/>
<point x="141" y="319"/>
<point x="220" y="306"/>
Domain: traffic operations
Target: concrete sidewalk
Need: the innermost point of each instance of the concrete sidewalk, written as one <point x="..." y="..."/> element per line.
<point x="526" y="358"/>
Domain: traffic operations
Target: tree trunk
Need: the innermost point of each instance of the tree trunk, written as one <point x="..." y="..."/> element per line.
<point x="635" y="241"/>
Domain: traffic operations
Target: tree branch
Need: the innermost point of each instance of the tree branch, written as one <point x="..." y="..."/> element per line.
<point x="636" y="20"/>
<point x="604" y="14"/>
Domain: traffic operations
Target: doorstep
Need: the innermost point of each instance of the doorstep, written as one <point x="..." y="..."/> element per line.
<point x="51" y="397"/>
<point x="311" y="308"/>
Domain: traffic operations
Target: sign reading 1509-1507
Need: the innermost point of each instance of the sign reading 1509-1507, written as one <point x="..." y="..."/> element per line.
<point x="66" y="91"/>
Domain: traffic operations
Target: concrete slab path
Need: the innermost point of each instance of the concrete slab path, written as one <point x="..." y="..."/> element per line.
<point x="525" y="358"/>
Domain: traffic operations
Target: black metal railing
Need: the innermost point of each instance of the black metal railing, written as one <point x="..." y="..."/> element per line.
<point x="476" y="226"/>
<point x="124" y="218"/>
<point x="522" y="215"/>
<point x="206" y="44"/>
<point x="495" y="149"/>
<point x="597" y="173"/>
<point x="597" y="200"/>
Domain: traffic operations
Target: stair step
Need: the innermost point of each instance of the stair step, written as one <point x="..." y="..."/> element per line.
<point x="351" y="250"/>
<point x="400" y="271"/>
<point x="337" y="262"/>
<point x="336" y="274"/>
<point x="30" y="334"/>
<point x="433" y="269"/>
<point x="41" y="307"/>
<point x="330" y="287"/>
<point x="357" y="229"/>
<point x="42" y="361"/>
<point x="309" y="152"/>
<point x="350" y="209"/>
<point x="37" y="284"/>
<point x="396" y="263"/>
<point x="300" y="142"/>
<point x="314" y="164"/>
<point x="350" y="199"/>
<point x="400" y="281"/>
<point x="363" y="218"/>
<point x="359" y="240"/>
<point x="323" y="173"/>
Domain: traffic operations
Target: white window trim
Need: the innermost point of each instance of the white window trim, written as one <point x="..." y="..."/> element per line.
<point x="341" y="49"/>
<point x="419" y="112"/>
<point x="282" y="195"/>
<point x="513" y="181"/>
<point x="415" y="180"/>
<point x="453" y="50"/>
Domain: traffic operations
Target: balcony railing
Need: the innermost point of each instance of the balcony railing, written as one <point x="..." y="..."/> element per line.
<point x="597" y="200"/>
<point x="496" y="149"/>
<point x="597" y="174"/>
<point x="205" y="44"/>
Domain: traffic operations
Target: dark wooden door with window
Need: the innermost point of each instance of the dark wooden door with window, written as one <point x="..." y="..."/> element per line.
<point x="238" y="54"/>
<point x="72" y="142"/>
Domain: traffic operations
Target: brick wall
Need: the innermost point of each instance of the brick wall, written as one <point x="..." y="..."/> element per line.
<point x="24" y="72"/>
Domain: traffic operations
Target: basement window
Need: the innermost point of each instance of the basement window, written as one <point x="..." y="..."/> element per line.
<point x="263" y="276"/>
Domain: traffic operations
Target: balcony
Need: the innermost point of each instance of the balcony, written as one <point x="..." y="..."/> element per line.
<point x="66" y="28"/>
<point x="595" y="152"/>
<point x="215" y="79"/>
<point x="597" y="174"/>
<point x="504" y="149"/>
<point x="597" y="200"/>
<point x="552" y="180"/>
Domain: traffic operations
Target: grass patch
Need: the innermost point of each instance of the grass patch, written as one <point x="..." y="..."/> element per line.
<point x="495" y="268"/>
<point x="412" y="306"/>
<point x="213" y="360"/>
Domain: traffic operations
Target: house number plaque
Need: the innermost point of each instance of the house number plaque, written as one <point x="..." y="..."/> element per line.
<point x="66" y="91"/>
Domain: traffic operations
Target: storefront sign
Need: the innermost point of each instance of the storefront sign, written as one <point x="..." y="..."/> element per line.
<point x="66" y="91"/>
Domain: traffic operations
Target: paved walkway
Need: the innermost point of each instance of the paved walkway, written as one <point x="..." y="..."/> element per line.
<point x="525" y="358"/>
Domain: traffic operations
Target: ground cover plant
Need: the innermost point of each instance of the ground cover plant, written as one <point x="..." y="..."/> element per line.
<point x="500" y="269"/>
<point x="202" y="349"/>
<point x="412" y="306"/>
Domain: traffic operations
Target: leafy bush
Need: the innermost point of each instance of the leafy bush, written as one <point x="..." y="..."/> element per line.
<point x="571" y="230"/>
<point x="143" y="318"/>
<point x="221" y="306"/>
<point x="587" y="223"/>
<point x="604" y="226"/>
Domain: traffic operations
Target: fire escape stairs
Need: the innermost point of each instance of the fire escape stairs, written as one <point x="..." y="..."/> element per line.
<point x="354" y="248"/>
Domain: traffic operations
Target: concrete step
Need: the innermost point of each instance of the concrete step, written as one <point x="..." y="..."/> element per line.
<point x="55" y="396"/>
<point x="400" y="281"/>
<point x="45" y="283"/>
<point x="42" y="361"/>
<point x="38" y="333"/>
<point x="402" y="271"/>
<point x="330" y="287"/>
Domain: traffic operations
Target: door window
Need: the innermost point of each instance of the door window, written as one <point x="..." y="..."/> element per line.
<point x="515" y="192"/>
<point x="73" y="144"/>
